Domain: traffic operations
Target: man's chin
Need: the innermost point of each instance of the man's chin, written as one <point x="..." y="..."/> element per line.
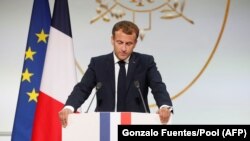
<point x="123" y="57"/>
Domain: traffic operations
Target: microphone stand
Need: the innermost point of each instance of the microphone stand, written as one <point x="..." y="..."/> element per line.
<point x="137" y="85"/>
<point x="98" y="86"/>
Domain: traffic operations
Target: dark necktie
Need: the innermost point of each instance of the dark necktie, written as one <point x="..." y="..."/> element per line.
<point x="121" y="87"/>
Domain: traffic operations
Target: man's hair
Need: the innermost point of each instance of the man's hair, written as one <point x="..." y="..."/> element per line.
<point x="127" y="27"/>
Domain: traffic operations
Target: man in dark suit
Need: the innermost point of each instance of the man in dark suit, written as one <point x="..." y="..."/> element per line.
<point x="116" y="93"/>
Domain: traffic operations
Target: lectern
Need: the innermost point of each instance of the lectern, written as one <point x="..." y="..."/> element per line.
<point x="103" y="126"/>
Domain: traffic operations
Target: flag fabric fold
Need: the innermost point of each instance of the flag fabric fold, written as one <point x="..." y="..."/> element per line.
<point x="59" y="76"/>
<point x="32" y="71"/>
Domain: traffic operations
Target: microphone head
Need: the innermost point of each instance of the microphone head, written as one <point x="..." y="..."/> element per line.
<point x="137" y="84"/>
<point x="98" y="85"/>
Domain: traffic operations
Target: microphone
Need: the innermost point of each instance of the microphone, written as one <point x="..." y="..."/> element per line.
<point x="98" y="86"/>
<point x="137" y="85"/>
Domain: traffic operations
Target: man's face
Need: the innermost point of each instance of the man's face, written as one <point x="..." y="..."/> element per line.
<point x="123" y="44"/>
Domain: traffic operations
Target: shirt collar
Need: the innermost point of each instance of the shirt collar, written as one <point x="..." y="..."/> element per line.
<point x="116" y="60"/>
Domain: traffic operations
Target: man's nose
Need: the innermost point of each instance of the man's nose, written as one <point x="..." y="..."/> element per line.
<point x="124" y="47"/>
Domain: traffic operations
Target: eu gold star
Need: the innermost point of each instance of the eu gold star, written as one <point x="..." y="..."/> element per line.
<point x="33" y="95"/>
<point x="42" y="36"/>
<point x="26" y="75"/>
<point x="29" y="54"/>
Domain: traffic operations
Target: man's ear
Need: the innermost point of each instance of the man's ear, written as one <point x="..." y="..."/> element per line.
<point x="135" y="43"/>
<point x="112" y="40"/>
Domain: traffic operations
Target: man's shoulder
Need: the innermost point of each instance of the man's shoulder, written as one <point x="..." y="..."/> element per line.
<point x="142" y="55"/>
<point x="101" y="57"/>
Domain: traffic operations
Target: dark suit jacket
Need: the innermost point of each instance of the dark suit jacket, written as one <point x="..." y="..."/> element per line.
<point x="141" y="68"/>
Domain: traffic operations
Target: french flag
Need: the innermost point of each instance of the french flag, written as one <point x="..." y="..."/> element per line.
<point x="103" y="126"/>
<point x="58" y="78"/>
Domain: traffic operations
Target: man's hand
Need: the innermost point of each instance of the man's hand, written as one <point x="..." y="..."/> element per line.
<point x="63" y="115"/>
<point x="164" y="114"/>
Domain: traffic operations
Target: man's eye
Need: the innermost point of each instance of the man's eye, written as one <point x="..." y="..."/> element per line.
<point x="119" y="42"/>
<point x="129" y="44"/>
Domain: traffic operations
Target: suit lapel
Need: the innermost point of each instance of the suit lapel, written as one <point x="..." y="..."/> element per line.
<point x="131" y="70"/>
<point x="110" y="72"/>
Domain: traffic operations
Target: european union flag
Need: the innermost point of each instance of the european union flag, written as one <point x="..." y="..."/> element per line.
<point x="32" y="71"/>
